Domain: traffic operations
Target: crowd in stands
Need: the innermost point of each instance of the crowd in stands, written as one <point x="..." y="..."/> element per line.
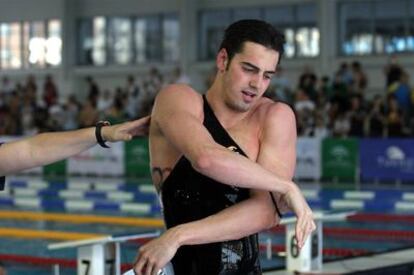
<point x="325" y="106"/>
<point x="26" y="109"/>
<point x="338" y="105"/>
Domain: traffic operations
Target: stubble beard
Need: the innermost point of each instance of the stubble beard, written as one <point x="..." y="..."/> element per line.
<point x="237" y="106"/>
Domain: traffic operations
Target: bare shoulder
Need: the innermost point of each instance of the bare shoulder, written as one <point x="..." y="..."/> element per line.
<point x="276" y="112"/>
<point x="178" y="92"/>
<point x="177" y="98"/>
<point x="277" y="118"/>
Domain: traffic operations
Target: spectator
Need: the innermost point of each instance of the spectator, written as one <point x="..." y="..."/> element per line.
<point x="93" y="89"/>
<point x="320" y="130"/>
<point x="392" y="71"/>
<point x="89" y="114"/>
<point x="133" y="94"/>
<point x="345" y="74"/>
<point x="304" y="110"/>
<point x="6" y="89"/>
<point x="50" y="92"/>
<point x="394" y="118"/>
<point x="401" y="90"/>
<point x="178" y="76"/>
<point x="281" y="86"/>
<point x="356" y="117"/>
<point x="341" y="125"/>
<point x="116" y="113"/>
<point x="104" y="101"/>
<point x="70" y="113"/>
<point x="359" y="79"/>
<point x="375" y="120"/>
<point x="307" y="83"/>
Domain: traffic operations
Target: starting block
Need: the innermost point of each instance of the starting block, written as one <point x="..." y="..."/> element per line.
<point x="309" y="258"/>
<point x="100" y="256"/>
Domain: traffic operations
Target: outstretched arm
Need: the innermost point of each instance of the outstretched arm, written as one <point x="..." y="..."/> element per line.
<point x="46" y="148"/>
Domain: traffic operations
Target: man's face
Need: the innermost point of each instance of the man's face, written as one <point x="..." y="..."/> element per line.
<point x="248" y="75"/>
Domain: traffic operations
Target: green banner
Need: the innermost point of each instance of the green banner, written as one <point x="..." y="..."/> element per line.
<point x="137" y="158"/>
<point x="55" y="169"/>
<point x="339" y="158"/>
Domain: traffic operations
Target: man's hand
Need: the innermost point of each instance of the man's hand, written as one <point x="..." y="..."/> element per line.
<point x="155" y="254"/>
<point x="125" y="131"/>
<point x="304" y="224"/>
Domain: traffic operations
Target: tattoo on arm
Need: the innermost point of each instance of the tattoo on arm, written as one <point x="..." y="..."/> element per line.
<point x="159" y="175"/>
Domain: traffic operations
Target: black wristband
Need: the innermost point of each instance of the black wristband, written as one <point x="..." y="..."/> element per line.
<point x="98" y="133"/>
<point x="275" y="204"/>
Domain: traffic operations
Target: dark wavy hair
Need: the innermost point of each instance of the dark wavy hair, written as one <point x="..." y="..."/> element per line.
<point x="251" y="30"/>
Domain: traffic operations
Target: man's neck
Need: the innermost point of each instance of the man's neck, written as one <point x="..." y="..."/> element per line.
<point x="227" y="117"/>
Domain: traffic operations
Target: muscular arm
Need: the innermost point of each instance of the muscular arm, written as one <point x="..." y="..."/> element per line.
<point x="177" y="113"/>
<point x="278" y="155"/>
<point x="278" y="146"/>
<point x="46" y="148"/>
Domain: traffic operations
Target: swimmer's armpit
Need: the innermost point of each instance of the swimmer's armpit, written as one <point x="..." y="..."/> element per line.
<point x="159" y="175"/>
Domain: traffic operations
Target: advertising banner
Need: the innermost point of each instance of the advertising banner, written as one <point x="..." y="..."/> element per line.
<point x="55" y="169"/>
<point x="137" y="158"/>
<point x="308" y="158"/>
<point x="339" y="158"/>
<point x="98" y="161"/>
<point x="387" y="159"/>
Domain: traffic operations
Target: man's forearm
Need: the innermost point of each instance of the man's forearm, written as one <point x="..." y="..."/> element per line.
<point x="44" y="149"/>
<point x="243" y="219"/>
<point x="233" y="169"/>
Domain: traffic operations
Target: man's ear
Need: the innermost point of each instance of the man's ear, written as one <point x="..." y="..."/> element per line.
<point x="222" y="60"/>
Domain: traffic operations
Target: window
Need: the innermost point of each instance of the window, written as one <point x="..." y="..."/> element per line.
<point x="410" y="37"/>
<point x="307" y="34"/>
<point x="36" y="44"/>
<point x="128" y="40"/>
<point x="10" y="57"/>
<point x="120" y="40"/>
<point x="282" y="18"/>
<point x="92" y="41"/>
<point x="153" y="38"/>
<point x="171" y="30"/>
<point x="54" y="43"/>
<point x="139" y="36"/>
<point x="375" y="27"/>
<point x="212" y="27"/>
<point x="390" y="33"/>
<point x="296" y="22"/>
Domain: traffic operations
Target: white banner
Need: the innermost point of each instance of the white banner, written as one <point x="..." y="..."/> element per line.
<point x="308" y="158"/>
<point x="98" y="161"/>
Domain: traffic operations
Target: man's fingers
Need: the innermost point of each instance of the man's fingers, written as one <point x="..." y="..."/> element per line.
<point x="148" y="267"/>
<point x="299" y="233"/>
<point x="140" y="264"/>
<point x="304" y="228"/>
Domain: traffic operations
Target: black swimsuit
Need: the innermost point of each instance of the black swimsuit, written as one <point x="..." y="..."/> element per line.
<point x="188" y="196"/>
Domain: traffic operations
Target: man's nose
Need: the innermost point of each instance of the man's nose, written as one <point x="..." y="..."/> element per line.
<point x="256" y="82"/>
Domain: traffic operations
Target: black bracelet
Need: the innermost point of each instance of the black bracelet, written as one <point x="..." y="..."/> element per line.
<point x="98" y="133"/>
<point x="275" y="204"/>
